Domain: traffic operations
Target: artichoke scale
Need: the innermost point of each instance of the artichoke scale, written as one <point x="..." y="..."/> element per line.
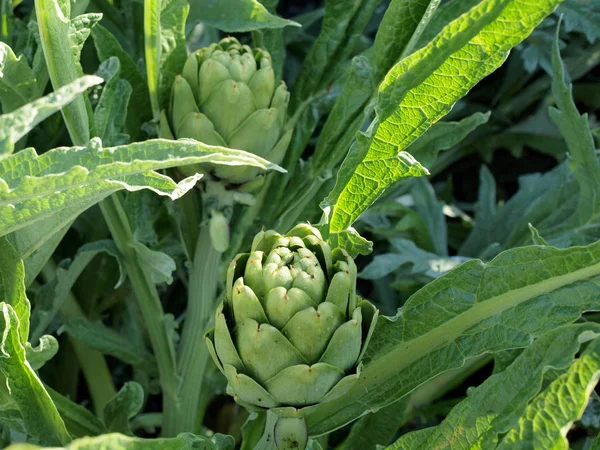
<point x="211" y="73"/>
<point x="262" y="85"/>
<point x="258" y="134"/>
<point x="246" y="304"/>
<point x="196" y="125"/>
<point x="303" y="385"/>
<point x="228" y="105"/>
<point x="282" y="304"/>
<point x="247" y="390"/>
<point x="264" y="349"/>
<point x="183" y="102"/>
<point x="345" y="344"/>
<point x="310" y="330"/>
<point x="253" y="273"/>
<point x="224" y="346"/>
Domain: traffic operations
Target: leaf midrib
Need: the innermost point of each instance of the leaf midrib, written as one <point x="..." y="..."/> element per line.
<point x="409" y="352"/>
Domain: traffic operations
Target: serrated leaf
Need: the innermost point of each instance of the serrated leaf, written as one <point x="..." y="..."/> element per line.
<point x="126" y="404"/>
<point x="476" y="308"/>
<point x="61" y="39"/>
<point x="582" y="16"/>
<point x="407" y="253"/>
<point x="432" y="211"/>
<point x="78" y="420"/>
<point x="43" y="352"/>
<point x="495" y="406"/>
<point x="34" y="187"/>
<point x="18" y="123"/>
<point x="115" y="441"/>
<point x="342" y="26"/>
<point x="443" y="136"/>
<point x="111" y="110"/>
<point x="17" y="80"/>
<point x="52" y="298"/>
<point x="40" y="415"/>
<point x="106" y="340"/>
<point x="549" y="417"/>
<point x="236" y="16"/>
<point x="139" y="109"/>
<point x="576" y="132"/>
<point x="420" y="90"/>
<point x="159" y="265"/>
<point x="12" y="286"/>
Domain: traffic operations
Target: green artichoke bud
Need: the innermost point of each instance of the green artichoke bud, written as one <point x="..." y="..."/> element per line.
<point x="227" y="96"/>
<point x="291" y="330"/>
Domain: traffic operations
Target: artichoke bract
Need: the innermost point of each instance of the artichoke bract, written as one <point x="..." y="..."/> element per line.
<point x="291" y="330"/>
<point x="227" y="96"/>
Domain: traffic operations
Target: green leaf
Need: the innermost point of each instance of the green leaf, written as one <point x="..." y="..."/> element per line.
<point x="79" y="421"/>
<point x="582" y="16"/>
<point x="12" y="286"/>
<point x="432" y="212"/>
<point x="349" y="113"/>
<point x="549" y="417"/>
<point x="378" y="428"/>
<point x="417" y="262"/>
<point x="138" y="109"/>
<point x="126" y="404"/>
<point x="236" y="16"/>
<point x="443" y="136"/>
<point x="342" y="27"/>
<point x="106" y="340"/>
<point x="18" y="123"/>
<point x="50" y="301"/>
<point x="580" y="142"/>
<point x="562" y="204"/>
<point x="485" y="213"/>
<point x="420" y="90"/>
<point x="40" y="415"/>
<point x="400" y="28"/>
<point x="159" y="265"/>
<point x="111" y="110"/>
<point x="45" y="351"/>
<point x="18" y="84"/>
<point x="475" y="309"/>
<point x="115" y="441"/>
<point x="495" y="406"/>
<point x="69" y="180"/>
<point x="164" y="30"/>
<point x="62" y="39"/>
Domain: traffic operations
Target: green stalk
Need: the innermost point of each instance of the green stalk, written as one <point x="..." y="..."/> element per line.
<point x="194" y="357"/>
<point x="93" y="365"/>
<point x="150" y="307"/>
<point x="63" y="68"/>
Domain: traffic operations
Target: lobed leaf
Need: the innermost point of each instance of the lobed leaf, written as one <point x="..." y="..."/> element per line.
<point x="236" y="16"/>
<point x="475" y="309"/>
<point x="12" y="286"/>
<point x="39" y="413"/>
<point x="421" y="89"/>
<point x="126" y="404"/>
<point x="549" y="417"/>
<point x="115" y="441"/>
<point x="16" y="124"/>
<point x="69" y="180"/>
<point x="495" y="406"/>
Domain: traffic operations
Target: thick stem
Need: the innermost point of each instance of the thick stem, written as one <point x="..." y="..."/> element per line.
<point x="194" y="357"/>
<point x="93" y="365"/>
<point x="150" y="307"/>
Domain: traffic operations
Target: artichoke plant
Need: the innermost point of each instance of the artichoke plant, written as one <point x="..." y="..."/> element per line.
<point x="227" y="96"/>
<point x="291" y="330"/>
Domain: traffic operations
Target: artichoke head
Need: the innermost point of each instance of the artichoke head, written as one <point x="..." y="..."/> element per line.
<point x="227" y="96"/>
<point x="291" y="330"/>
